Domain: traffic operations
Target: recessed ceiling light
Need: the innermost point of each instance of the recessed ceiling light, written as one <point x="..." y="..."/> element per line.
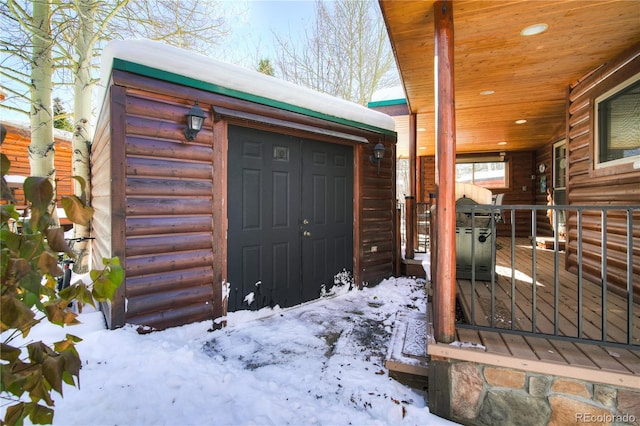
<point x="423" y="147"/>
<point x="534" y="29"/>
<point x="422" y="129"/>
<point x="487" y="92"/>
<point x="502" y="143"/>
<point x="521" y="121"/>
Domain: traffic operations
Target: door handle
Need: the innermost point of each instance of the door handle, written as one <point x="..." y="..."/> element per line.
<point x="306" y="234"/>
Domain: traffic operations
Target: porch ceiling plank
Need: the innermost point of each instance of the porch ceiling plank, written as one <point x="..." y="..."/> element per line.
<point x="529" y="75"/>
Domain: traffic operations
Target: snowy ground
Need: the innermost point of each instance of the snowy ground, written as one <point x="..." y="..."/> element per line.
<point x="321" y="363"/>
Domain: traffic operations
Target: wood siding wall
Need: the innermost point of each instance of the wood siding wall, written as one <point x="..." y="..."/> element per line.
<point x="160" y="205"/>
<point x="520" y="190"/>
<point x="587" y="185"/>
<point x="16" y="148"/>
<point x="376" y="224"/>
<point x="105" y="225"/>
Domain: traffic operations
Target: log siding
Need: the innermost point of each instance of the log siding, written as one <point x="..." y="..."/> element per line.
<point x="16" y="148"/>
<point x="587" y="185"/>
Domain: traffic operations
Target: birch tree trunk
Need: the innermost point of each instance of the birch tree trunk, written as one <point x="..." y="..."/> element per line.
<point x="82" y="131"/>
<point x="42" y="146"/>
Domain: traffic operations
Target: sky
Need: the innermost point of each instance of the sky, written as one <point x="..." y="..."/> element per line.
<point x="282" y="17"/>
<point x="320" y="363"/>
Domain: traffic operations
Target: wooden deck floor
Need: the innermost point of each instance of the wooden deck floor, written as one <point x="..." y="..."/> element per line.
<point x="610" y="364"/>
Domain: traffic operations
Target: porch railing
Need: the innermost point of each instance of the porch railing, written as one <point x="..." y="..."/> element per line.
<point x="614" y="231"/>
<point x="422" y="229"/>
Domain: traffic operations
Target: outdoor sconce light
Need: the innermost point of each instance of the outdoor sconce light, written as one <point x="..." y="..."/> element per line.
<point x="195" y="119"/>
<point x="378" y="155"/>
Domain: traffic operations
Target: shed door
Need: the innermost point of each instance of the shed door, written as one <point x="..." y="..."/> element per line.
<point x="290" y="217"/>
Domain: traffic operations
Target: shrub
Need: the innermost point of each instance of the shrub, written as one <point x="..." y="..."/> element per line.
<point x="28" y="267"/>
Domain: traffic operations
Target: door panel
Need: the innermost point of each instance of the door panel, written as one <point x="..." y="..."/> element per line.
<point x="328" y="207"/>
<point x="263" y="210"/>
<point x="276" y="183"/>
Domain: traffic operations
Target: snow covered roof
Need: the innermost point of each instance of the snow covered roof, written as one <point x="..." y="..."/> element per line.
<point x="236" y="81"/>
<point x="24" y="127"/>
<point x="388" y="93"/>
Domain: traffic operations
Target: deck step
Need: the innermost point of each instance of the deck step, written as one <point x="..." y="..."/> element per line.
<point x="413" y="268"/>
<point x="407" y="356"/>
<point x="548" y="243"/>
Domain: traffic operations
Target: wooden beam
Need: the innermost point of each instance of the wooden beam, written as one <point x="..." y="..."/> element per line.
<point x="410" y="225"/>
<point x="220" y="155"/>
<point x="445" y="279"/>
<point x="411" y="237"/>
<point x="413" y="149"/>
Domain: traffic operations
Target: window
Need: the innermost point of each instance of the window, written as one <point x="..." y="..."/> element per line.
<point x="487" y="174"/>
<point x="618" y="124"/>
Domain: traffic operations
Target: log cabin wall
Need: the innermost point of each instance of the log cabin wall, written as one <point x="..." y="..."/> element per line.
<point x="376" y="226"/>
<point x="588" y="185"/>
<point x="107" y="227"/>
<point x="16" y="148"/>
<point x="160" y="205"/>
<point x="520" y="190"/>
<point x="154" y="208"/>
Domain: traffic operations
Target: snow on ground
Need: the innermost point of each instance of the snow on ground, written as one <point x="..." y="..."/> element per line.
<point x="321" y="363"/>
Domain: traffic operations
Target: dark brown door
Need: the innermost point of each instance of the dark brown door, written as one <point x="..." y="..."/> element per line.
<point x="290" y="217"/>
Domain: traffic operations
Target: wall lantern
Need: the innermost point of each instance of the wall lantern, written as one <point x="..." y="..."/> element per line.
<point x="195" y="120"/>
<point x="378" y="155"/>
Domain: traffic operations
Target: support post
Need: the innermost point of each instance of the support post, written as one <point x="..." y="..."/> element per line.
<point x="409" y="226"/>
<point x="445" y="283"/>
<point x="413" y="149"/>
<point x="397" y="261"/>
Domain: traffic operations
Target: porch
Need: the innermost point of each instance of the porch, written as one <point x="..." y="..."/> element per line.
<point x="500" y="330"/>
<point x="512" y="331"/>
<point x="537" y="357"/>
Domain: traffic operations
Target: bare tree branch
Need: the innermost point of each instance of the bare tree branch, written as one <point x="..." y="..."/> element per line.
<point x="346" y="53"/>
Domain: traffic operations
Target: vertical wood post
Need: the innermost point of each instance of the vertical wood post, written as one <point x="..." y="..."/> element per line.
<point x="409" y="226"/>
<point x="219" y="214"/>
<point x="397" y="266"/>
<point x="445" y="282"/>
<point x="413" y="149"/>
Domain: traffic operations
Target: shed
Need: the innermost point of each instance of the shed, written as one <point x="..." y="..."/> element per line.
<point x="275" y="198"/>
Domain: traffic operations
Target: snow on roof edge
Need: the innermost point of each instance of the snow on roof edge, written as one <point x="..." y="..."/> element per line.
<point x="160" y="56"/>
<point x="25" y="126"/>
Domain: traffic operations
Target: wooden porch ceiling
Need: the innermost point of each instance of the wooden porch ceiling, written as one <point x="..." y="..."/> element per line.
<point x="528" y="74"/>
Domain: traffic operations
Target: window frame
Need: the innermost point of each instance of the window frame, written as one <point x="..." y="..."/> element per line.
<point x="475" y="161"/>
<point x="598" y="164"/>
